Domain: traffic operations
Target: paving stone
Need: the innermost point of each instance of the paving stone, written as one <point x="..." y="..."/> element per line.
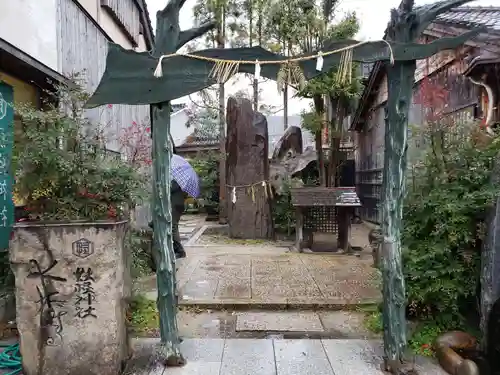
<point x="279" y="321"/>
<point x="198" y="289"/>
<point x="352" y="357"/>
<point x="217" y="275"/>
<point x="248" y="357"/>
<point x="301" y="357"/>
<point x="201" y="350"/>
<point x="193" y="368"/>
<point x="204" y="324"/>
<point x="345" y="324"/>
<point x="234" y="288"/>
<point x="423" y="365"/>
<point x="269" y="357"/>
<point x="203" y="357"/>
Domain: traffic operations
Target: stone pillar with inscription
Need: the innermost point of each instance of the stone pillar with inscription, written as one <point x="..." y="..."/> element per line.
<point x="72" y="284"/>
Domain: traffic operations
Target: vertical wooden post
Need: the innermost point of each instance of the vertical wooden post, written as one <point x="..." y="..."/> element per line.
<point x="299" y="225"/>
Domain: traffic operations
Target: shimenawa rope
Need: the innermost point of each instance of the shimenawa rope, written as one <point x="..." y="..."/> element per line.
<point x="224" y="69"/>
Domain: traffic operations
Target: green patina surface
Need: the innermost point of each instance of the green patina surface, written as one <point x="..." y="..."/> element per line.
<point x="6" y="144"/>
<point x="129" y="79"/>
<point x="405" y="26"/>
<point x="127" y="69"/>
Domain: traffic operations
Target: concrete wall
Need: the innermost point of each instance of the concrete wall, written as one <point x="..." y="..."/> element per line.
<point x="178" y="129"/>
<point x="30" y="25"/>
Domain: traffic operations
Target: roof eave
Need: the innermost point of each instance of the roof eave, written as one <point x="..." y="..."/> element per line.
<point x="146" y="21"/>
<point x="479" y="62"/>
<point x="356" y="124"/>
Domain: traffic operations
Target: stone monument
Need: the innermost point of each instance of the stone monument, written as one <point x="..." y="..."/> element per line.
<point x="247" y="172"/>
<point x="72" y="284"/>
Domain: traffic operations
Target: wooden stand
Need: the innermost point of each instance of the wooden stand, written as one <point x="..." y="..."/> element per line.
<point x="344" y="200"/>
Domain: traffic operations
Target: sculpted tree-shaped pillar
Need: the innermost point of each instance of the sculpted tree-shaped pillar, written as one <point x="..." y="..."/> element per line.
<point x="169" y="38"/>
<point x="405" y="26"/>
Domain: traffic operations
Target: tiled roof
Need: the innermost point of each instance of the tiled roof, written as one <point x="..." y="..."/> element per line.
<point x="174" y="107"/>
<point x="473" y="16"/>
<point x="197" y="140"/>
<point x="275" y="130"/>
<point x="462" y="16"/>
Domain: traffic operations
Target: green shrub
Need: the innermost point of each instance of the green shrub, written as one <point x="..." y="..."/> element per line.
<point x="283" y="212"/>
<point x="444" y="217"/>
<point x="63" y="170"/>
<point x="206" y="166"/>
<point x="139" y="243"/>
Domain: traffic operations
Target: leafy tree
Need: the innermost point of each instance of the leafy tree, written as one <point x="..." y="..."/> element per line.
<point x="332" y="84"/>
<point x="204" y="122"/>
<point x="287" y="24"/>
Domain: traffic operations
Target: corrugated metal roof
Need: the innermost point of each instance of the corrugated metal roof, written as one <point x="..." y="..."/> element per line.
<point x="473" y="17"/>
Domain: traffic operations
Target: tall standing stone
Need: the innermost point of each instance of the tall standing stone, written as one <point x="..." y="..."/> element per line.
<point x="72" y="284"/>
<point x="247" y="166"/>
<point x="290" y="144"/>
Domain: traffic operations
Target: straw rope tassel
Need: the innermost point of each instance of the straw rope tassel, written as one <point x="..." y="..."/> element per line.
<point x="223" y="70"/>
<point x="158" y="73"/>
<point x="344" y="74"/>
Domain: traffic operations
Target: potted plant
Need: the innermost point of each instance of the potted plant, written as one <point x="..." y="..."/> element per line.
<point x="69" y="260"/>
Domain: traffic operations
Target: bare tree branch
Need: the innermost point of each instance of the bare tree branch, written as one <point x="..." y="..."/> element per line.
<point x="172" y="4"/>
<point x="428" y="13"/>
<point x="188" y="35"/>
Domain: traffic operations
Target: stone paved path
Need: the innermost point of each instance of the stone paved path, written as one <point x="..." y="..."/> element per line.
<point x="270" y="357"/>
<point x="188" y="226"/>
<point x="272" y="278"/>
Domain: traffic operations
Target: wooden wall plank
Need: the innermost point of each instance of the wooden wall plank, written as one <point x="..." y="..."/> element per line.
<point x="83" y="49"/>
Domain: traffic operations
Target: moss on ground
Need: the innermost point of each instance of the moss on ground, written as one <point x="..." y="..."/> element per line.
<point x="219" y="238"/>
<point x="143" y="316"/>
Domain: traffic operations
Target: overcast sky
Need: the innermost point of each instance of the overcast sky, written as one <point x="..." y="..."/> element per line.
<point x="373" y="19"/>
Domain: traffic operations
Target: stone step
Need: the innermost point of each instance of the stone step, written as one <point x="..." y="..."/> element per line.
<point x="269" y="357"/>
<point x="277" y="324"/>
<point x="268" y="305"/>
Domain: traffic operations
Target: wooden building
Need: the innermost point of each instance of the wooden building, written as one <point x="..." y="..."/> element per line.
<point x="42" y="42"/>
<point x="443" y="87"/>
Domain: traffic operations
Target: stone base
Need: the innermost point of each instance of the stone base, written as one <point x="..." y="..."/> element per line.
<point x="72" y="283"/>
<point x="7" y="307"/>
